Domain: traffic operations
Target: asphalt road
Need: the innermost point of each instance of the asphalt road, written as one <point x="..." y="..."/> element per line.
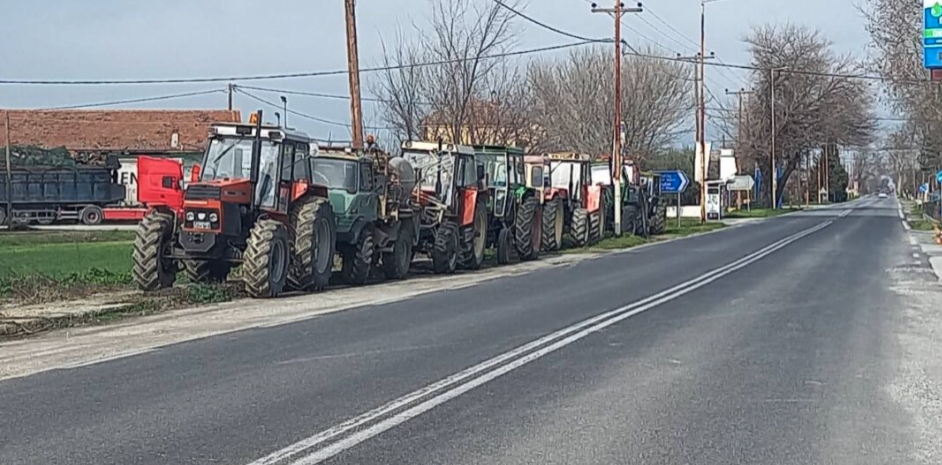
<point x="769" y="343"/>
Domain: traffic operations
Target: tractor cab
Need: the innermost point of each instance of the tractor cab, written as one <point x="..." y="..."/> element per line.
<point x="537" y="169"/>
<point x="351" y="182"/>
<point x="504" y="176"/>
<point x="444" y="172"/>
<point x="571" y="174"/>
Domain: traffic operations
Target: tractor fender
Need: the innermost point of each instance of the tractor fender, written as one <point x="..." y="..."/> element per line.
<point x="594" y="198"/>
<point x="358" y="226"/>
<point x="469" y="202"/>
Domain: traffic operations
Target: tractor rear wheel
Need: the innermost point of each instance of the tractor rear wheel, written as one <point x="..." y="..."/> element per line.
<point x="659" y="222"/>
<point x="528" y="229"/>
<point x="266" y="259"/>
<point x="629" y="220"/>
<point x="206" y="271"/>
<point x="554" y="223"/>
<point x="474" y="240"/>
<point x="445" y="251"/>
<point x="396" y="264"/>
<point x="503" y="246"/>
<point x="358" y="258"/>
<point x="579" y="228"/>
<point x="313" y="238"/>
<point x="152" y="269"/>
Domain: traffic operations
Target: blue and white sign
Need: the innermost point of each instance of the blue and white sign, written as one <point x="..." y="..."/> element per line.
<point x="924" y="188"/>
<point x="932" y="33"/>
<point x="674" y="182"/>
<point x="938" y="177"/>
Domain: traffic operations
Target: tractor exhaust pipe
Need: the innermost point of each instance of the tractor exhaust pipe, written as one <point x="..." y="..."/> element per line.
<point x="256" y="159"/>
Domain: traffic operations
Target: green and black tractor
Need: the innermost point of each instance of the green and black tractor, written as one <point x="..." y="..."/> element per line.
<point x="514" y="213"/>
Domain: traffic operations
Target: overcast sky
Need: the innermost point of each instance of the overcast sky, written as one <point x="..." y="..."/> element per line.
<point x="118" y="39"/>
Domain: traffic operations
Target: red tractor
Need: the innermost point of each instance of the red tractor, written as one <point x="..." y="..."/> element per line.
<point x="252" y="203"/>
<point x="571" y="201"/>
<point x="452" y="227"/>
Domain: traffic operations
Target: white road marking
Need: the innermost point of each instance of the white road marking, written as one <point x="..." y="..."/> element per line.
<point x="913" y="241"/>
<point x="915" y="255"/>
<point x="844" y="213"/>
<point x="519" y="356"/>
<point x="906" y="225"/>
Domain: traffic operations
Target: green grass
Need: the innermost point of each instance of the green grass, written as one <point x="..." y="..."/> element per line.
<point x="64" y="260"/>
<point x="920" y="224"/>
<point x="22" y="238"/>
<point x="690" y="226"/>
<point x="760" y="213"/>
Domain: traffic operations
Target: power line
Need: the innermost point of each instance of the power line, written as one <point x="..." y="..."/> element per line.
<point x="137" y="100"/>
<point x="546" y="26"/>
<point x="303" y="115"/>
<point x="298" y="75"/>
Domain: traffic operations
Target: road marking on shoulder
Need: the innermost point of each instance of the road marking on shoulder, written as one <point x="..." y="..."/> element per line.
<point x="844" y="213"/>
<point x="915" y="255"/>
<point x="906" y="225"/>
<point x="398" y="411"/>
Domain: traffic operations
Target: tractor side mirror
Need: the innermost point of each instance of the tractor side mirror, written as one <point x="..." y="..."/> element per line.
<point x="195" y="173"/>
<point x="479" y="169"/>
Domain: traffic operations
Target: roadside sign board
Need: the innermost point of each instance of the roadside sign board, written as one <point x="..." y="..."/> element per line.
<point x="674" y="182"/>
<point x="932" y="33"/>
<point x="938" y="177"/>
<point x="740" y="183"/>
<point x="924" y="188"/>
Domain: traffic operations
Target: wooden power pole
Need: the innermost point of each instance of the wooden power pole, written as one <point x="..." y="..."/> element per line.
<point x="9" y="212"/>
<point x="353" y="66"/>
<point x="617" y="12"/>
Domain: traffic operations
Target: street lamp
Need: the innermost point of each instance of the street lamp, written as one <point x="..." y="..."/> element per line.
<point x="284" y="103"/>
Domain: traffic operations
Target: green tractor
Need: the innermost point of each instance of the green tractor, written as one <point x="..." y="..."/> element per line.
<point x="514" y="213"/>
<point x="375" y="218"/>
<point x="644" y="211"/>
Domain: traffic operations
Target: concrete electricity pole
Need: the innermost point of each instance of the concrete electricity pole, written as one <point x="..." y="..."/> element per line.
<point x="704" y="156"/>
<point x="617" y="13"/>
<point x="229" y="91"/>
<point x="353" y="66"/>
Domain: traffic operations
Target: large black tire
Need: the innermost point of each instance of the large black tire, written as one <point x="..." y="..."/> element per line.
<point x="503" y="246"/>
<point x="358" y="258"/>
<point x="659" y="222"/>
<point x="474" y="240"/>
<point x="313" y="241"/>
<point x="596" y="222"/>
<point x="3" y="216"/>
<point x="91" y="215"/>
<point x="396" y="264"/>
<point x="528" y="229"/>
<point x="579" y="227"/>
<point x="554" y="225"/>
<point x="151" y="268"/>
<point x="207" y="271"/>
<point x="445" y="251"/>
<point x="266" y="259"/>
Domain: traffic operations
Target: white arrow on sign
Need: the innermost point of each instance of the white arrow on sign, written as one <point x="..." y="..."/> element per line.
<point x="741" y="183"/>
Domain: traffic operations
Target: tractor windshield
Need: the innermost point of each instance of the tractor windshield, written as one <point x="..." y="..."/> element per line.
<point x="437" y="168"/>
<point x="336" y="174"/>
<point x="231" y="158"/>
<point x="495" y="169"/>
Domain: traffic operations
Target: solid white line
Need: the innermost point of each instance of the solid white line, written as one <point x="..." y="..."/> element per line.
<point x="359" y="421"/>
<point x="844" y="213"/>
<point x="915" y="255"/>
<point x="906" y="225"/>
<point x="389" y="423"/>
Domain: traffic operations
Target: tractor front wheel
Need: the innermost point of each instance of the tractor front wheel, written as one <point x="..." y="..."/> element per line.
<point x="267" y="256"/>
<point x="358" y="258"/>
<point x="396" y="264"/>
<point x="474" y="240"/>
<point x="553" y="225"/>
<point x="152" y="268"/>
<point x="312" y="257"/>
<point x="445" y="251"/>
<point x="596" y="223"/>
<point x="528" y="229"/>
<point x="659" y="222"/>
<point x="579" y="228"/>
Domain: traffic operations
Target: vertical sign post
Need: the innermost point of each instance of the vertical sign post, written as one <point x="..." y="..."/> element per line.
<point x="932" y="34"/>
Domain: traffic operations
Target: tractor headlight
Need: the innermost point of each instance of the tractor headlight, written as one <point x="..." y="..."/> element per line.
<point x="213" y="217"/>
<point x="190" y="216"/>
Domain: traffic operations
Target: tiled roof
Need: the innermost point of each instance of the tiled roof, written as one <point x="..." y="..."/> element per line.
<point x="114" y="130"/>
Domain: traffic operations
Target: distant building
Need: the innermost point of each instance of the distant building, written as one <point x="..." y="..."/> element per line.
<point x="486" y="123"/>
<point x="91" y="135"/>
<point x="96" y="132"/>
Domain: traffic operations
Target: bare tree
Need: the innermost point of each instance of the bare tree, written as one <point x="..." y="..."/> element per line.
<point x="814" y="104"/>
<point x="572" y="101"/>
<point x="455" y="94"/>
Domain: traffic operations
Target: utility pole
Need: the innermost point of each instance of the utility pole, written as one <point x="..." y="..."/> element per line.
<point x="353" y="66"/>
<point x="704" y="156"/>
<point x="9" y="212"/>
<point x="617" y="13"/>
<point x="827" y="173"/>
<point x="284" y="104"/>
<point x="229" y="91"/>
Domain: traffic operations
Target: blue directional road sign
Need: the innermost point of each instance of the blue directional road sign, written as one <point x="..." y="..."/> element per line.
<point x="674" y="182"/>
<point x="924" y="187"/>
<point x="938" y="176"/>
<point x="932" y="34"/>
